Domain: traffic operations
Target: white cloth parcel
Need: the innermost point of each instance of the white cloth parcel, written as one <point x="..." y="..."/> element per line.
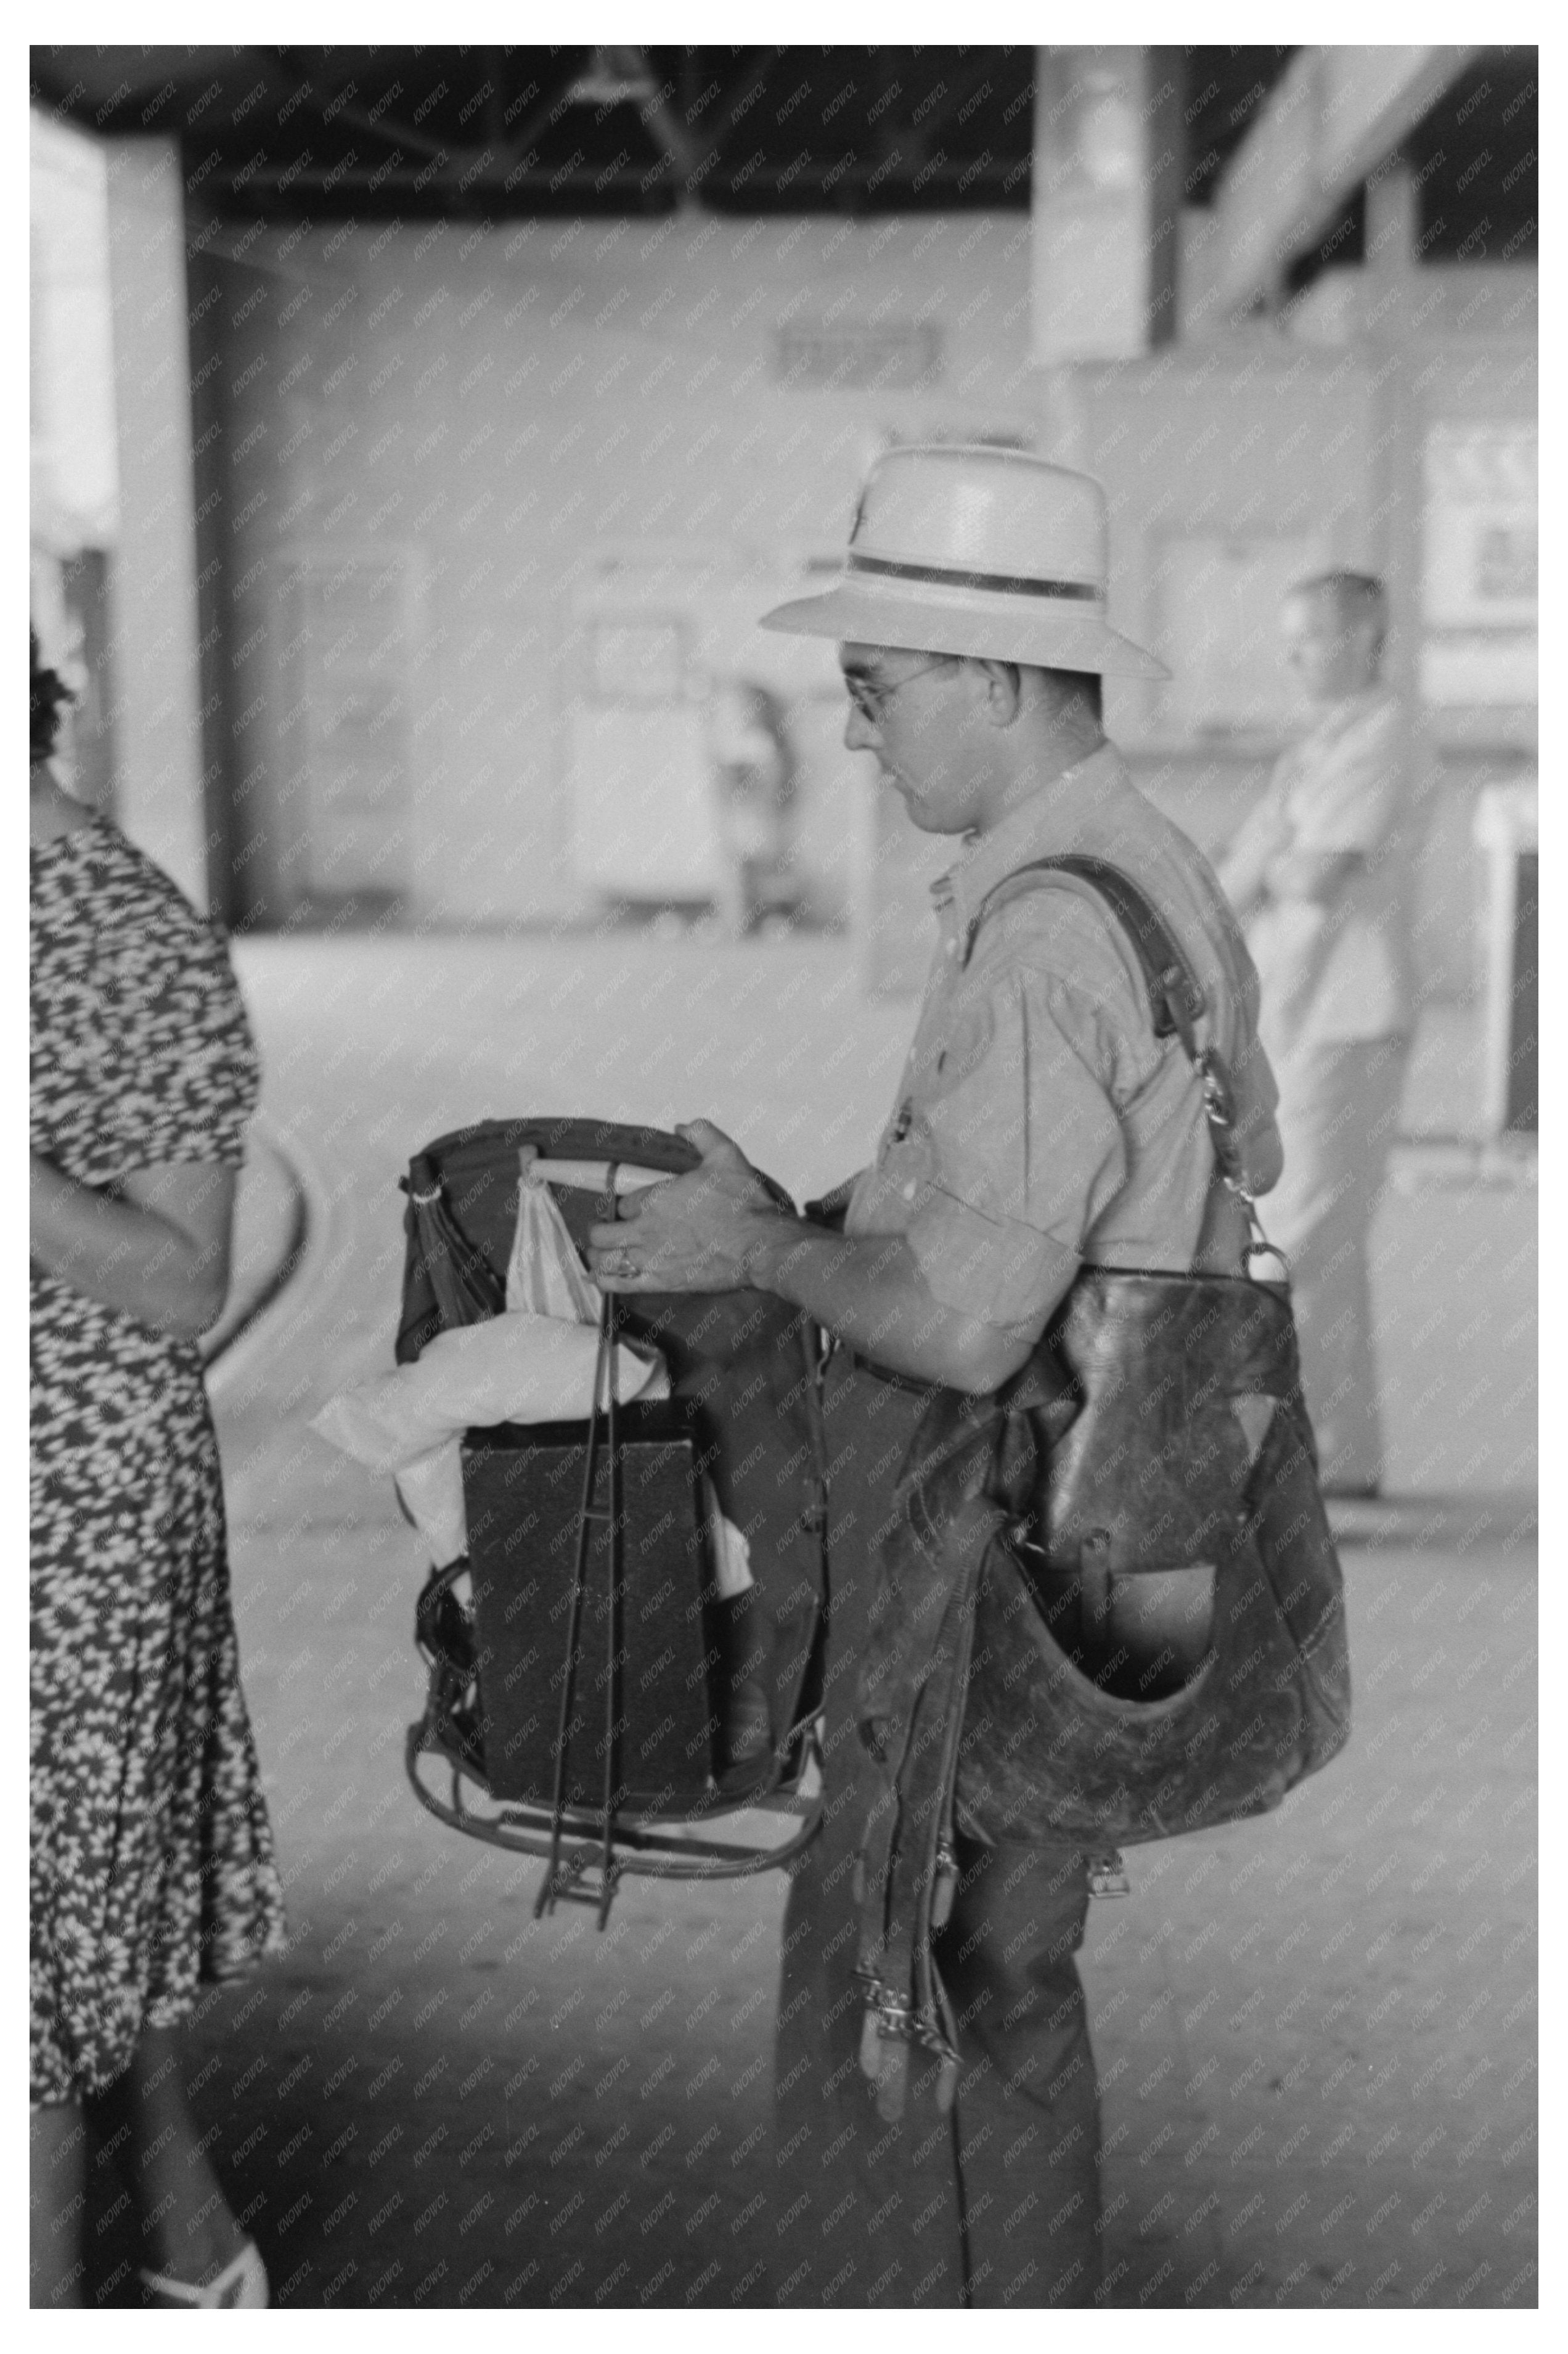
<point x="512" y="1368"/>
<point x="544" y="1273"/>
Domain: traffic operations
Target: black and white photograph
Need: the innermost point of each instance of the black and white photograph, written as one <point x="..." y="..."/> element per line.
<point x="783" y="1178"/>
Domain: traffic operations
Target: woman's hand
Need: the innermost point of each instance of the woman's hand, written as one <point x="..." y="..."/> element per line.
<point x="691" y="1232"/>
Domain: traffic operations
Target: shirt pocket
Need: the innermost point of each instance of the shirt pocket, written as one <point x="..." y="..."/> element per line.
<point x="906" y="1162"/>
<point x="957" y="1054"/>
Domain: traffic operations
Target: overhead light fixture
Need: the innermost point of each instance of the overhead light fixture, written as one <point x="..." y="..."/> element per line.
<point x="613" y="78"/>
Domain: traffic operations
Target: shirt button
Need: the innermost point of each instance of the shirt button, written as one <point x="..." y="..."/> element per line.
<point x="909" y="1191"/>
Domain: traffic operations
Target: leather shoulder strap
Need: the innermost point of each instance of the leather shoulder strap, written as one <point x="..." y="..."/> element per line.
<point x="1176" y="1000"/>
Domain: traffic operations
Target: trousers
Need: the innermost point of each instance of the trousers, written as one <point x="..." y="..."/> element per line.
<point x="1339" y="1105"/>
<point x="997" y="2201"/>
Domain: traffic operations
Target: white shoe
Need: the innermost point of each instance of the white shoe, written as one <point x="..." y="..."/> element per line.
<point x="241" y="2284"/>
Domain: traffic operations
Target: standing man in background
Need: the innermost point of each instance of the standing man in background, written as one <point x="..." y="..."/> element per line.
<point x="1318" y="875"/>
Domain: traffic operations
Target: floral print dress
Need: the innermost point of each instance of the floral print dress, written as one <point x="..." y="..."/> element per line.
<point x="152" y="1855"/>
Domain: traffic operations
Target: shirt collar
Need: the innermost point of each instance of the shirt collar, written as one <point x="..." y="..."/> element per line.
<point x="1061" y="816"/>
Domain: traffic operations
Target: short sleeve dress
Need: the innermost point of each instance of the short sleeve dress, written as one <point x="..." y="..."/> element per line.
<point x="151" y="1854"/>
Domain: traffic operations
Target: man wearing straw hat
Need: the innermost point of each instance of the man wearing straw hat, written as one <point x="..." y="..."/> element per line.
<point x="1040" y="1124"/>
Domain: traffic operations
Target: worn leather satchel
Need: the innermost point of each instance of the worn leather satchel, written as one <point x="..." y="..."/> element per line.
<point x="1110" y="1608"/>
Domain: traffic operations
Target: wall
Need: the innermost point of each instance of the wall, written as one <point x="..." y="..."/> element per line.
<point x="1312" y="438"/>
<point x="499" y="413"/>
<point x="152" y="596"/>
<point x="462" y="432"/>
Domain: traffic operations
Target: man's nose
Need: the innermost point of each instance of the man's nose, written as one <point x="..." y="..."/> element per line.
<point x="860" y="736"/>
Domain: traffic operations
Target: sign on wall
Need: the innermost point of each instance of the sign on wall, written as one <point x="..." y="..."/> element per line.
<point x="1479" y="562"/>
<point x="1482" y="539"/>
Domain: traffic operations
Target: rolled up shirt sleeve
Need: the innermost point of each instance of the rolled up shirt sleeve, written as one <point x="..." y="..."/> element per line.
<point x="1015" y="1148"/>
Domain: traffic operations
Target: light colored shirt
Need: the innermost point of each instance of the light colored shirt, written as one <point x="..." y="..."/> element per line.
<point x="1040" y="1122"/>
<point x="1341" y="971"/>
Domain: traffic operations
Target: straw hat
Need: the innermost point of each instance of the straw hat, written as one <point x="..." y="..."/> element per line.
<point x="975" y="551"/>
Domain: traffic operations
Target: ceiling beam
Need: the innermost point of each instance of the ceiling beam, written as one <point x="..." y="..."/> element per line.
<point x="392" y="130"/>
<point x="1332" y="119"/>
<point x="356" y="179"/>
<point x="939" y="110"/>
<point x="844" y="179"/>
<point x="694" y="154"/>
<point x="684" y="155"/>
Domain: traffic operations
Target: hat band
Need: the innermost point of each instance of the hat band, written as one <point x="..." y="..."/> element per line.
<point x="1007" y="583"/>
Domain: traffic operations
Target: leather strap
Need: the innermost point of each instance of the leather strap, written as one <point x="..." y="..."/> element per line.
<point x="1176" y="1000"/>
<point x="907" y="1862"/>
<point x="466" y="1287"/>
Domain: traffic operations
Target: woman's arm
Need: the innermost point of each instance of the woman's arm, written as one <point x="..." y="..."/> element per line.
<point x="156" y="1248"/>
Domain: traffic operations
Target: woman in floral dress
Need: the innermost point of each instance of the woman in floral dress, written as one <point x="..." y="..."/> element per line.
<point x="152" y="1857"/>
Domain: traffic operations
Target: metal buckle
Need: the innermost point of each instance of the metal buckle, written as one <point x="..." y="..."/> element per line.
<point x="897" y="2020"/>
<point x="1264" y="1249"/>
<point x="1219" y="1105"/>
<point x="1108" y="1874"/>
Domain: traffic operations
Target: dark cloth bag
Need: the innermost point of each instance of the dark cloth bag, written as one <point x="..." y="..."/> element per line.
<point x="746" y="1361"/>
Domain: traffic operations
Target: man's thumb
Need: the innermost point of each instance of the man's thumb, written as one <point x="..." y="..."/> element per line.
<point x="710" y="1141"/>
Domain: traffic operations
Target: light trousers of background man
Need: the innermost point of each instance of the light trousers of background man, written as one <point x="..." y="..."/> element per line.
<point x="1339" y="1111"/>
<point x="873" y="2214"/>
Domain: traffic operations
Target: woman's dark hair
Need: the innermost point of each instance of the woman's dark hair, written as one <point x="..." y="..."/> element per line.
<point x="46" y="693"/>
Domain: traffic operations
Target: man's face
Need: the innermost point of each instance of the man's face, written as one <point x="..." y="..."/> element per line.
<point x="910" y="710"/>
<point x="1333" y="649"/>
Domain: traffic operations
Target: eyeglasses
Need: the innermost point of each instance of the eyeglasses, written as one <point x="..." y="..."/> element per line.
<point x="869" y="698"/>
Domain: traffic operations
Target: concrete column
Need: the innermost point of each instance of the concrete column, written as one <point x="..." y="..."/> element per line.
<point x="1107" y="185"/>
<point x="1394" y="217"/>
<point x="157" y="717"/>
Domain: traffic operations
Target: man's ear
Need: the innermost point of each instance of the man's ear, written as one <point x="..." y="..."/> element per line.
<point x="1003" y="691"/>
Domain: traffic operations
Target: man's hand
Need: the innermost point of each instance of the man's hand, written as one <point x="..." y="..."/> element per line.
<point x="693" y="1233"/>
<point x="718" y="1230"/>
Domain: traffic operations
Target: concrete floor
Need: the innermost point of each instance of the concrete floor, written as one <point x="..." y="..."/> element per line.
<point x="1316" y="2034"/>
